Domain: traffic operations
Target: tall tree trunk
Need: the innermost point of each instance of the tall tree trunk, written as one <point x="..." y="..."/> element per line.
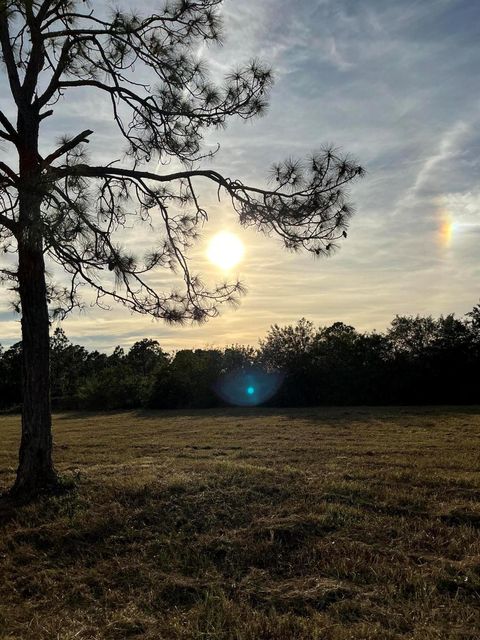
<point x="35" y="471"/>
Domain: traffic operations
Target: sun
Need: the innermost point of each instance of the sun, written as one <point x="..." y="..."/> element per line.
<point x="225" y="250"/>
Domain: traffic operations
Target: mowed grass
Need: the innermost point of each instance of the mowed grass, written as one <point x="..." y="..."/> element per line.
<point x="327" y="524"/>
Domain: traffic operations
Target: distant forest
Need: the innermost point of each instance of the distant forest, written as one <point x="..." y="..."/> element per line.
<point x="417" y="360"/>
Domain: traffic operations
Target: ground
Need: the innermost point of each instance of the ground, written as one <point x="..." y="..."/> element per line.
<point x="326" y="524"/>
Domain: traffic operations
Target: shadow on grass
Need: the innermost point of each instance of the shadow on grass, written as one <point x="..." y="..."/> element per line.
<point x="8" y="508"/>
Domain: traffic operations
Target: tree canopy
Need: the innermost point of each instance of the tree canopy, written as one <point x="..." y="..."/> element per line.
<point x="162" y="99"/>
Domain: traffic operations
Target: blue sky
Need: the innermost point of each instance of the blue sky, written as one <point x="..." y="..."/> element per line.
<point x="396" y="83"/>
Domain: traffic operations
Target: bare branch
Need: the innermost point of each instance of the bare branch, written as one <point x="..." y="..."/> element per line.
<point x="9" y="224"/>
<point x="9" y="172"/>
<point x="8" y="56"/>
<point x="10" y="129"/>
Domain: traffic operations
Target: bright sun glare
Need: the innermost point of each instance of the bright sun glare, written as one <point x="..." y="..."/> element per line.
<point x="225" y="250"/>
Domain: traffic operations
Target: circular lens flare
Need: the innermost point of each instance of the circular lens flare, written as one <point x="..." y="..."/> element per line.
<point x="248" y="388"/>
<point x="225" y="250"/>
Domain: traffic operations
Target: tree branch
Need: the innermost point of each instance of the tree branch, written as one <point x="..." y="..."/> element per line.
<point x="53" y="85"/>
<point x="9" y="172"/>
<point x="68" y="146"/>
<point x="115" y="172"/>
<point x="8" y="56"/>
<point x="9" y="224"/>
<point x="10" y="129"/>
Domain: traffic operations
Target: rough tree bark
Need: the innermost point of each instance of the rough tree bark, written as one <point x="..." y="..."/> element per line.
<point x="35" y="471"/>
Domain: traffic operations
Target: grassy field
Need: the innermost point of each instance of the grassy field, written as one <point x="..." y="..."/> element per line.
<point x="327" y="524"/>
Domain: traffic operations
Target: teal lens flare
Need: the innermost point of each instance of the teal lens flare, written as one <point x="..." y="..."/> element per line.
<point x="248" y="387"/>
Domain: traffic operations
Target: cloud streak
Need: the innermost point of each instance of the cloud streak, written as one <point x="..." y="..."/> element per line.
<point x="392" y="83"/>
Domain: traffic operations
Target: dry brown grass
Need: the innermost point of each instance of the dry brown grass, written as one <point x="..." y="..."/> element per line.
<point x="252" y="524"/>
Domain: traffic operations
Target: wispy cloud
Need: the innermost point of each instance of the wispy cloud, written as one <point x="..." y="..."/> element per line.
<point x="392" y="82"/>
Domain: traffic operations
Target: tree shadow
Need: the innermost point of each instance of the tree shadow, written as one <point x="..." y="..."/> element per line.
<point x="8" y="508"/>
<point x="157" y="414"/>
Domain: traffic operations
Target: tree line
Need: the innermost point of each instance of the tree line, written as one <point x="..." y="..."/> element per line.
<point x="417" y="360"/>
